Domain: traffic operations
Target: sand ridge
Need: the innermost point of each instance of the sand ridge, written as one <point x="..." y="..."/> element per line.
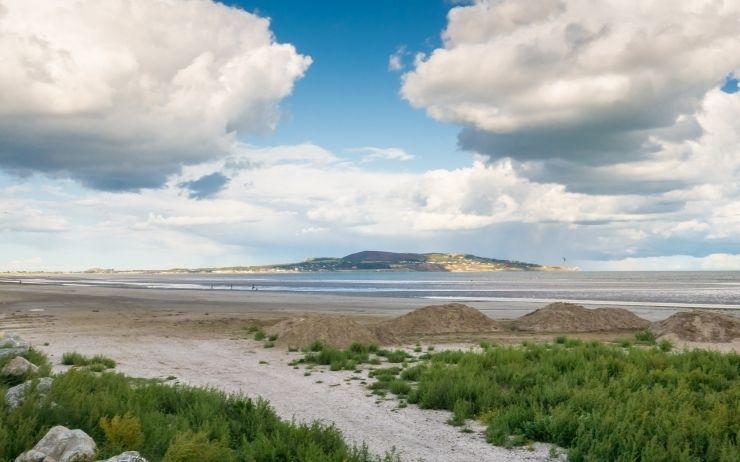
<point x="336" y="331"/>
<point x="698" y="326"/>
<point x="440" y="319"/>
<point x="569" y="317"/>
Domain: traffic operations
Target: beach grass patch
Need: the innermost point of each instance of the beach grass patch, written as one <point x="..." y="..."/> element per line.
<point x="598" y="401"/>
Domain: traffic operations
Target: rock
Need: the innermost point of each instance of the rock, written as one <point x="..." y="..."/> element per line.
<point x="128" y="456"/>
<point x="20" y="367"/>
<point x="15" y="395"/>
<point x="61" y="445"/>
<point x="12" y="345"/>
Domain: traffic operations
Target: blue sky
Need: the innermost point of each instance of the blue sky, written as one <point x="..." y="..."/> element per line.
<point x="213" y="136"/>
<point x="350" y="98"/>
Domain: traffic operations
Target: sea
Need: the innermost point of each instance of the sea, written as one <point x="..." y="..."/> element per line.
<point x="686" y="289"/>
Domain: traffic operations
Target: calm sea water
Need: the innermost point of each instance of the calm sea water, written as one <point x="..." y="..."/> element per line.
<point x="669" y="289"/>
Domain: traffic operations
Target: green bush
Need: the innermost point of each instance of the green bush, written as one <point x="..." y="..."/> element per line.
<point x="645" y="336"/>
<point x="178" y="423"/>
<point x="123" y="432"/>
<point x="601" y="402"/>
<point x="196" y="447"/>
<point x="259" y="334"/>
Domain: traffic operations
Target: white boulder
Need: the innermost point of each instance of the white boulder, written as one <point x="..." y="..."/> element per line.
<point x="19" y="367"/>
<point x="128" y="456"/>
<point x="15" y="395"/>
<point x="61" y="445"/>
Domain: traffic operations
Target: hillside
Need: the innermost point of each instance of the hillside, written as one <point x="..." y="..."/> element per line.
<point x="370" y="260"/>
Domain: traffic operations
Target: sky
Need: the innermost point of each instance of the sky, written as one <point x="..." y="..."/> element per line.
<point x="138" y="134"/>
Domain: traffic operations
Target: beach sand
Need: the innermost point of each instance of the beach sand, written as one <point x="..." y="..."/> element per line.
<point x="199" y="337"/>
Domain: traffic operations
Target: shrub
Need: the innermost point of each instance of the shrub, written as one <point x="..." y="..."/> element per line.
<point x="272" y="338"/>
<point x="178" y="423"/>
<point x="123" y="433"/>
<point x="196" y="447"/>
<point x="259" y="334"/>
<point x="600" y="402"/>
<point x="645" y="336"/>
<point x="665" y="345"/>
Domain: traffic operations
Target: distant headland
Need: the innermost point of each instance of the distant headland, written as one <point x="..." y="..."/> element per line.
<point x="372" y="260"/>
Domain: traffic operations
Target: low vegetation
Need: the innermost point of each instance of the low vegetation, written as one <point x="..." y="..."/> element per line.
<point x="633" y="400"/>
<point x="97" y="362"/>
<point x="165" y="422"/>
<point x="601" y="402"/>
<point x="349" y="358"/>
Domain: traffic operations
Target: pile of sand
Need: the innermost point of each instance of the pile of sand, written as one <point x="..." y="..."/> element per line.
<point x="568" y="317"/>
<point x="699" y="326"/>
<point x="336" y="331"/>
<point x="453" y="318"/>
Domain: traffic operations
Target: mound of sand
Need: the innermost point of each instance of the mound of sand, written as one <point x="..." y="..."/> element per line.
<point x="336" y="331"/>
<point x="568" y="317"/>
<point x="453" y="318"/>
<point x="699" y="326"/>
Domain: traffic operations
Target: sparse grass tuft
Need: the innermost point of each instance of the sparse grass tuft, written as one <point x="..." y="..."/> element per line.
<point x="97" y="363"/>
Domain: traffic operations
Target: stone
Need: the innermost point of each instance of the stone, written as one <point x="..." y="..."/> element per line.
<point x="128" y="456"/>
<point x="12" y="345"/>
<point x="61" y="445"/>
<point x="15" y="395"/>
<point x="20" y="367"/>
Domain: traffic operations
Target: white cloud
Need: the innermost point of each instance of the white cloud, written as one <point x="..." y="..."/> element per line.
<point x="277" y="198"/>
<point x="712" y="262"/>
<point x="119" y="94"/>
<point x="395" y="60"/>
<point x="374" y="153"/>
<point x="588" y="81"/>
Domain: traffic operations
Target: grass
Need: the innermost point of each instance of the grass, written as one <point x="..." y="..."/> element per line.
<point x="96" y="363"/>
<point x="645" y="337"/>
<point x="172" y="423"/>
<point x="600" y="402"/>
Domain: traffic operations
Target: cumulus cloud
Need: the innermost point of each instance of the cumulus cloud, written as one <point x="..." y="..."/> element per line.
<point x="119" y="94"/>
<point x="277" y="198"/>
<point x="591" y="83"/>
<point x="374" y="153"/>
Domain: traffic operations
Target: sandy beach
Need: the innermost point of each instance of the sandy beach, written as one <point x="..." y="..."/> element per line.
<point x="199" y="338"/>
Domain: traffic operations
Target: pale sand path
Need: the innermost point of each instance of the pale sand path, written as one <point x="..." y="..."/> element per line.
<point x="233" y="366"/>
